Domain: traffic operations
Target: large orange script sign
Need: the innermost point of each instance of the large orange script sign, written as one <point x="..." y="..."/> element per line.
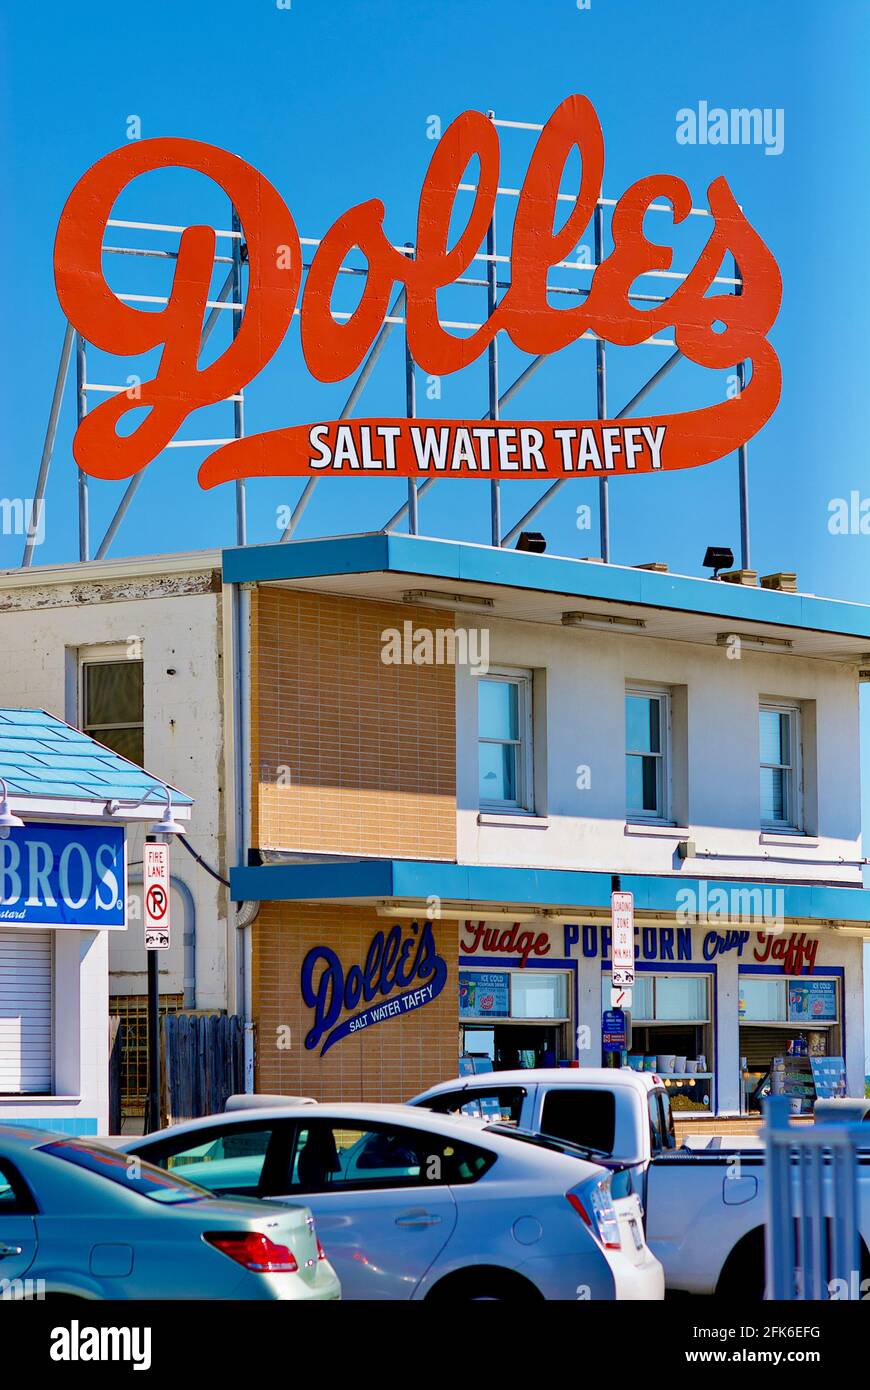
<point x="713" y="330"/>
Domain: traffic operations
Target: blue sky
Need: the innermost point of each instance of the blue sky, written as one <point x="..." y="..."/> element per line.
<point x="332" y="99"/>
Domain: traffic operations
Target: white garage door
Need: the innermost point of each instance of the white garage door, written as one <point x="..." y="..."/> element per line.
<point x="25" y="1012"/>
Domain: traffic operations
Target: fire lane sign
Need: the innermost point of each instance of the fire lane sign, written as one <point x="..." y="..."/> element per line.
<point x="622" y="939"/>
<point x="156" y="897"/>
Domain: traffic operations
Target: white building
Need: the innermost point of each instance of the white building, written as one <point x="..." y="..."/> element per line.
<point x="131" y="651"/>
<point x="66" y="803"/>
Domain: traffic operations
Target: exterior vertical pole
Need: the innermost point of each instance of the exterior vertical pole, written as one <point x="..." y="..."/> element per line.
<point x="152" y="1102"/>
<point x="82" y="410"/>
<point x="34" y="525"/>
<point x="238" y="406"/>
<point x="601" y="396"/>
<point x="742" y="464"/>
<point x="411" y="411"/>
<point x="491" y="299"/>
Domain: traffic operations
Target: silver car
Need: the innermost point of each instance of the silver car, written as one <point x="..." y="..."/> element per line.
<point x="413" y="1205"/>
<point x="78" y="1220"/>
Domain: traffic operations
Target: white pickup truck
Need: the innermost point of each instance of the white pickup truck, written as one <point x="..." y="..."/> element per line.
<point x="704" y="1207"/>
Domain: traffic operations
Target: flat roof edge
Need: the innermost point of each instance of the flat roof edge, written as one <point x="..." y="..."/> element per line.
<point x="425" y="557"/>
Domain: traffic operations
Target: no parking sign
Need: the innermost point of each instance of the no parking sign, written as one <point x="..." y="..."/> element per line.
<point x="156" y="895"/>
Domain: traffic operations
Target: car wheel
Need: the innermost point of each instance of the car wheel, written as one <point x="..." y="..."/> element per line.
<point x="485" y="1286"/>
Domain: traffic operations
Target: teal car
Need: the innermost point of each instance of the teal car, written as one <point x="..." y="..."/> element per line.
<point x="82" y="1221"/>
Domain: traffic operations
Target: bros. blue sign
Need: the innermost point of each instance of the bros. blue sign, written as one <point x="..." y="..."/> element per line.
<point x="63" y="876"/>
<point x="406" y="971"/>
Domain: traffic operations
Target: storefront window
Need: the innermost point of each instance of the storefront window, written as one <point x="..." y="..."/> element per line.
<point x="680" y="997"/>
<point x="515" y="1019"/>
<point x="672" y="1035"/>
<point x="790" y="1039"/>
<point x="538" y="995"/>
<point x="763" y="1001"/>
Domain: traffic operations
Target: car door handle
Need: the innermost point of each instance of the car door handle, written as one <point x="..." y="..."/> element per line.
<point x="9" y="1250"/>
<point x="418" y="1218"/>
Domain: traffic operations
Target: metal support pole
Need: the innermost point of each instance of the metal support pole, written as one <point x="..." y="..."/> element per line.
<point x="152" y="1101"/>
<point x="350" y="404"/>
<point x="508" y="395"/>
<point x="626" y="409"/>
<point x="601" y="396"/>
<point x="33" y="525"/>
<point x="136" y="481"/>
<point x="82" y="410"/>
<point x="238" y="405"/>
<point x="742" y="463"/>
<point x="152" y="1109"/>
<point x="492" y="353"/>
<point x="411" y="411"/>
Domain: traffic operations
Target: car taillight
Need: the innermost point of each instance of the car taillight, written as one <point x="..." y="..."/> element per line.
<point x="254" y="1250"/>
<point x="321" y="1253"/>
<point x="592" y="1201"/>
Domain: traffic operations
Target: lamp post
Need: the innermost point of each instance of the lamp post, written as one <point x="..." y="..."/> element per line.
<point x="160" y="833"/>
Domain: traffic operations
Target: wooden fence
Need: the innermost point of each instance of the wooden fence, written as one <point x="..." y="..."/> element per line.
<point x="202" y="1064"/>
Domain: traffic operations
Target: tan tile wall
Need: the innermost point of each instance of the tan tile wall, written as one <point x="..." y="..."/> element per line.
<point x="389" y="1061"/>
<point x="368" y="749"/>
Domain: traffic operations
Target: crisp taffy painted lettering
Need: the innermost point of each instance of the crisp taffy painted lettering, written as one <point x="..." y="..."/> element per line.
<point x="714" y="330"/>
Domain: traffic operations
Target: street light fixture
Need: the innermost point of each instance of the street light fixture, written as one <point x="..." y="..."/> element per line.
<point x="8" y="818"/>
<point x="167" y="825"/>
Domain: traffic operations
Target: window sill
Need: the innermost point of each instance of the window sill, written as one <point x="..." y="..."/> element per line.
<point x="788" y="837"/>
<point x="524" y="820"/>
<point x="19" y="1098"/>
<point x="656" y="827"/>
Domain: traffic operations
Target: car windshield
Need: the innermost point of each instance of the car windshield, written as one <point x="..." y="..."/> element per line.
<point x="544" y="1141"/>
<point x="128" y="1171"/>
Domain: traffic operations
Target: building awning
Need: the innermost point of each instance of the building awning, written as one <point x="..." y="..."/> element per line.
<point x="463" y="889"/>
<point x="56" y="772"/>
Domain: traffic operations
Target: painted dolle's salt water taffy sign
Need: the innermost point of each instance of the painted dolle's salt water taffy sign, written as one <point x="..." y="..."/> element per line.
<point x="713" y="330"/>
<point x="400" y="974"/>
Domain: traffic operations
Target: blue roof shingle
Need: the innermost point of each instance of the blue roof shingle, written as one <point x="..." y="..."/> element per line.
<point x="40" y="755"/>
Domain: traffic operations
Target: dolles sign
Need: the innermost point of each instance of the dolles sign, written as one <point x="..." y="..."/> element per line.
<point x="712" y="330"/>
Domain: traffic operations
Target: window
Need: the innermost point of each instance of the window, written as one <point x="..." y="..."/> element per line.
<point x="503" y="1103"/>
<point x="341" y="1156"/>
<point x="665" y="998"/>
<point x="779" y="753"/>
<point x="647" y="723"/>
<point x="15" y="1198"/>
<point x="581" y="1117"/>
<point x="672" y="1035"/>
<point x="504" y="718"/>
<point x="231" y="1161"/>
<point x="140" y="1177"/>
<point x="535" y="994"/>
<point x="656" y="1133"/>
<point x="112" y="702"/>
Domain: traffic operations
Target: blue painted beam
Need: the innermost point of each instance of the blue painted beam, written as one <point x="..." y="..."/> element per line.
<point x="421" y="558"/>
<point x="568" y="888"/>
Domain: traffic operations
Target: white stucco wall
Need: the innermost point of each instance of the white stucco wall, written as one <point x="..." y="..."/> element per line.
<point x="45" y="619"/>
<point x="580" y="680"/>
<point x="80" y="1038"/>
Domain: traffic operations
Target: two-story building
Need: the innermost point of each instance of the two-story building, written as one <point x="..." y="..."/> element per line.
<point x="457" y="753"/>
